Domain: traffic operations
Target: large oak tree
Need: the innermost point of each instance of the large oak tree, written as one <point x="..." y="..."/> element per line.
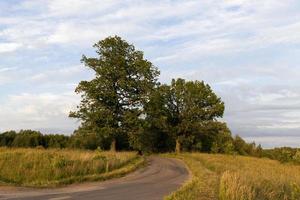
<point x="121" y="86"/>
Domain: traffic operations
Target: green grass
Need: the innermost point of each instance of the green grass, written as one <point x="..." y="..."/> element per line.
<point x="44" y="168"/>
<point x="226" y="177"/>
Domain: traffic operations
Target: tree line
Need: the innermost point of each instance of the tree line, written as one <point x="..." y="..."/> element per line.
<point x="31" y="138"/>
<point x="283" y="154"/>
<point x="223" y="143"/>
<point x="125" y="107"/>
<point x="232" y="145"/>
<point x="35" y="139"/>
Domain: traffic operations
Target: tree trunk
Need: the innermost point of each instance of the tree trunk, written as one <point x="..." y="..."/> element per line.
<point x="178" y="146"/>
<point x="113" y="145"/>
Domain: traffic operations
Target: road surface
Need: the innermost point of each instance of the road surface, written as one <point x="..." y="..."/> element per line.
<point x="161" y="177"/>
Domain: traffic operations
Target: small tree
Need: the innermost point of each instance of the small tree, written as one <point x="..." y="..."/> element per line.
<point x="223" y="141"/>
<point x="240" y="146"/>
<point x="123" y="80"/>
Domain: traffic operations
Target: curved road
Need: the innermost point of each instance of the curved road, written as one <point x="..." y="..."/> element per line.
<point x="161" y="177"/>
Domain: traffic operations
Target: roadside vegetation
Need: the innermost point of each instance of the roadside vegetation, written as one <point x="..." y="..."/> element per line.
<point x="232" y="177"/>
<point x="40" y="168"/>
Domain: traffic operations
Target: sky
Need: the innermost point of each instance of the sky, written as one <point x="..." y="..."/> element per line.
<point x="247" y="50"/>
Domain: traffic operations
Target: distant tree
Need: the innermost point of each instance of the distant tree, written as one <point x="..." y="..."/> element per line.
<point x="223" y="142"/>
<point x="85" y="141"/>
<point x="55" y="141"/>
<point x="7" y="138"/>
<point x="212" y="136"/>
<point x="251" y="149"/>
<point x="28" y="138"/>
<point x="296" y="156"/>
<point x="283" y="154"/>
<point x="259" y="151"/>
<point x="31" y="138"/>
<point x="184" y="106"/>
<point x="115" y="97"/>
<point x="240" y="146"/>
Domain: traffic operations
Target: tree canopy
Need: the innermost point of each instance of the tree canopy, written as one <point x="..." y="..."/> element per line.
<point x="122" y="83"/>
<point x="183" y="107"/>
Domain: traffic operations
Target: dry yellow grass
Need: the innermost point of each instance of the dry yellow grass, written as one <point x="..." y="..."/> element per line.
<point x="38" y="167"/>
<point x="227" y="177"/>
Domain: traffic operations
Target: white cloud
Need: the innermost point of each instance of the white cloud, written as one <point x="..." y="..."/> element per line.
<point x="212" y="24"/>
<point x="69" y="8"/>
<point x="7" y="74"/>
<point x="60" y="74"/>
<point x="38" y="111"/>
<point x="6" y="69"/>
<point x="69" y="33"/>
<point x="9" y="47"/>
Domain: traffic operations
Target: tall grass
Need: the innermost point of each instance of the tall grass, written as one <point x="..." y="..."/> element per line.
<point x="38" y="167"/>
<point x="226" y="177"/>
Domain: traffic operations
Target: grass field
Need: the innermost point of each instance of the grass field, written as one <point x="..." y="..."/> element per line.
<point x="227" y="177"/>
<point x="38" y="167"/>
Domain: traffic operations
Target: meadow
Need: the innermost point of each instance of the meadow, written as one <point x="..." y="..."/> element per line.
<point x="52" y="167"/>
<point x="230" y="177"/>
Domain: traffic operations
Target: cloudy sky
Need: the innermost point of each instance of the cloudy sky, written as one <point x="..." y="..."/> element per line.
<point x="248" y="51"/>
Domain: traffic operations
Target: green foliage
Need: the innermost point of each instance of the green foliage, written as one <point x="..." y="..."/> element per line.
<point x="30" y="138"/>
<point x="240" y="145"/>
<point x="243" y="148"/>
<point x="7" y="138"/>
<point x="296" y="156"/>
<point x="182" y="109"/>
<point x="86" y="141"/>
<point x="123" y="80"/>
<point x="55" y="141"/>
<point x="283" y="154"/>
<point x="223" y="143"/>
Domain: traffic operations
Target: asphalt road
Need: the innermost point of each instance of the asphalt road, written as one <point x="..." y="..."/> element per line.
<point x="161" y="177"/>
